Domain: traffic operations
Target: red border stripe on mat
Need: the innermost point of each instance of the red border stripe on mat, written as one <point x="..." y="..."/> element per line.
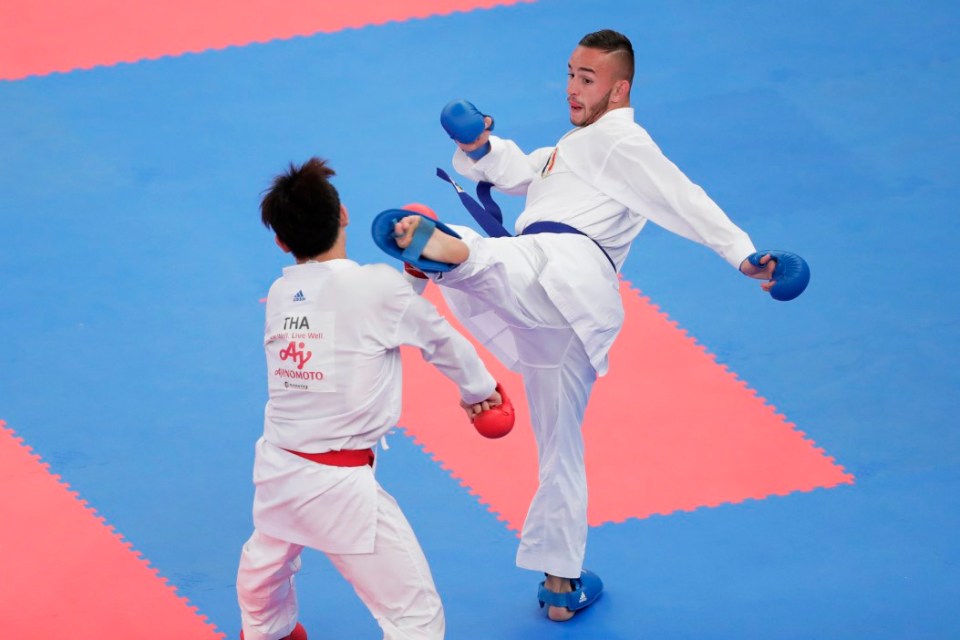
<point x="66" y="574"/>
<point x="39" y="37"/>
<point x="668" y="430"/>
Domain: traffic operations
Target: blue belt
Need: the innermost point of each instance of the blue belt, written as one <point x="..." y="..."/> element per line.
<point x="490" y="218"/>
<point x="547" y="226"/>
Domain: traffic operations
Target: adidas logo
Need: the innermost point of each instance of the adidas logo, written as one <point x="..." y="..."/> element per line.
<point x="299" y="297"/>
<point x="583" y="597"/>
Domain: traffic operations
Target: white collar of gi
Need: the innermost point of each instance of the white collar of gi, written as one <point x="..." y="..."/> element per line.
<point x="313" y="267"/>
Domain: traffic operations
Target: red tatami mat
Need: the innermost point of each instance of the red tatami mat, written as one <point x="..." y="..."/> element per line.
<point x="668" y="429"/>
<point x="66" y="574"/>
<point x="60" y="35"/>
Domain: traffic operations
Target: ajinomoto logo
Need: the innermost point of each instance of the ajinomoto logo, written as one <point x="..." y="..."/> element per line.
<point x="297" y="352"/>
<point x="300" y="351"/>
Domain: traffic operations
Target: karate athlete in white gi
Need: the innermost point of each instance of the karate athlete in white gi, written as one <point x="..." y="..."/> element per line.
<point x="332" y="338"/>
<point x="547" y="304"/>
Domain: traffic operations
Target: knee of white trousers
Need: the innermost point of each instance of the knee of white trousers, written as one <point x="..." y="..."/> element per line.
<point x="266" y="564"/>
<point x="266" y="592"/>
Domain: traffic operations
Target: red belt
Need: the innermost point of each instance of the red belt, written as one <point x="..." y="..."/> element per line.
<point x="347" y="458"/>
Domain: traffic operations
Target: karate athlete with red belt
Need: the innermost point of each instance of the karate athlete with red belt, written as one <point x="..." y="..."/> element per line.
<point x="332" y="338"/>
<point x="547" y="302"/>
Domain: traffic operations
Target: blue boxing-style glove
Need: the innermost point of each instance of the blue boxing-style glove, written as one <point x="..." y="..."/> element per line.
<point x="791" y="275"/>
<point x="464" y="123"/>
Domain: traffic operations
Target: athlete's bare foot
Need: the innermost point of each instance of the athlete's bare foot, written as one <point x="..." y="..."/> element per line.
<point x="440" y="247"/>
<point x="559" y="585"/>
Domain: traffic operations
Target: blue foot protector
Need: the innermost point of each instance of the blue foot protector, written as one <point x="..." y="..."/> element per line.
<point x="585" y="592"/>
<point x="383" y="236"/>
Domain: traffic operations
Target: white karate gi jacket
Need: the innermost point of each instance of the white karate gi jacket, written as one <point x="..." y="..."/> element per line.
<point x="606" y="180"/>
<point x="332" y="337"/>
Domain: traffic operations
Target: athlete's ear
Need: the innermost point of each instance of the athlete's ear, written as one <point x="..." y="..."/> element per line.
<point x="280" y="243"/>
<point x="344" y="216"/>
<point x="621" y="91"/>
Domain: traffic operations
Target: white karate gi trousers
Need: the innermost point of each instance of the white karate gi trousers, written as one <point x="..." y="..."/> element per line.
<point x="498" y="295"/>
<point x="394" y="582"/>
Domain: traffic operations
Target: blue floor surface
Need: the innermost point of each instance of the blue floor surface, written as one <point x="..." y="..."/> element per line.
<point x="132" y="262"/>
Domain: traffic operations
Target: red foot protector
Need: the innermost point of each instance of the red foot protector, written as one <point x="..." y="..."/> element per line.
<point x="67" y="574"/>
<point x="667" y="430"/>
<point x="43" y="36"/>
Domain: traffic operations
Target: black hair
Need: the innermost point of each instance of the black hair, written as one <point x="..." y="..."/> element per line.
<point x="303" y="208"/>
<point x="614" y="42"/>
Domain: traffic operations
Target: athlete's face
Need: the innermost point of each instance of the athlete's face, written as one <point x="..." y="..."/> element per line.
<point x="592" y="85"/>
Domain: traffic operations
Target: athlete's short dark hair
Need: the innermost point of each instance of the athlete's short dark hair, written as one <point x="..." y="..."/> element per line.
<point x="614" y="42"/>
<point x="303" y="208"/>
